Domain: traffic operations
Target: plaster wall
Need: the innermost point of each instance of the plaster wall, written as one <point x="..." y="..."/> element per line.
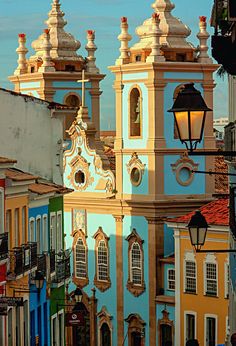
<point x="33" y="135"/>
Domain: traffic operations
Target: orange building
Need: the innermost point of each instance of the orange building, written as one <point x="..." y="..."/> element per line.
<point x="201" y="310"/>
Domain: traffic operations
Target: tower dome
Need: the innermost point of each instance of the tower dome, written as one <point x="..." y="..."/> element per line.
<point x="174" y="33"/>
<point x="64" y="45"/>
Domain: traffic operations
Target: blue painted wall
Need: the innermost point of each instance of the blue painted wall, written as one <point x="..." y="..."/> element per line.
<point x="128" y="188"/>
<point x="36" y="302"/>
<point x="34" y="213"/>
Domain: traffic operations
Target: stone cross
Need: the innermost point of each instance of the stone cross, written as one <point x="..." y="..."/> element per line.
<point x="83" y="81"/>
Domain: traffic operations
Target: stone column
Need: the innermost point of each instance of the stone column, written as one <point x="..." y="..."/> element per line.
<point x="203" y="36"/>
<point x="155" y="55"/>
<point x="91" y="49"/>
<point x="47" y="65"/>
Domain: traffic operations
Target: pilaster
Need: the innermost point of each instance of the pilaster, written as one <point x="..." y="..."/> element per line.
<point x="119" y="279"/>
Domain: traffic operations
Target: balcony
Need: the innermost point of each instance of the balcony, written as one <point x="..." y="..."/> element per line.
<point x="52" y="262"/>
<point x="223" y="41"/>
<point x="230" y="141"/>
<point x="23" y="259"/>
<point x="3" y="246"/>
<point x="62" y="270"/>
<point x="42" y="264"/>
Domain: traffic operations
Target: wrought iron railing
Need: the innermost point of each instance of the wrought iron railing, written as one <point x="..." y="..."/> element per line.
<point x="42" y="264"/>
<point x="62" y="270"/>
<point x="52" y="261"/>
<point x="23" y="259"/>
<point x="3" y="246"/>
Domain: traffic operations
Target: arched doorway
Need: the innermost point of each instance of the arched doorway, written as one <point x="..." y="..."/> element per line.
<point x="136" y="339"/>
<point x="81" y="333"/>
<point x="105" y="335"/>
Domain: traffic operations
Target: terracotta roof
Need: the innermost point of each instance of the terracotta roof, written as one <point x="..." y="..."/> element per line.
<point x="41" y="189"/>
<point x="18" y="175"/>
<point x="47" y="187"/>
<point x="221" y="181"/>
<point x="215" y="212"/>
<point x="6" y="160"/>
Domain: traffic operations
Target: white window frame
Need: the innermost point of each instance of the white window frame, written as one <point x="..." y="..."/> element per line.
<point x="188" y="312"/>
<point x="32" y="220"/>
<point x="77" y="263"/>
<point x="17" y="226"/>
<point x="23" y="223"/>
<point x="54" y="317"/>
<point x="2" y="210"/>
<point x="211" y="259"/>
<point x="227" y="278"/>
<point x="168" y="279"/>
<point x="132" y="267"/>
<point x="61" y="333"/>
<point x="45" y="232"/>
<point x="52" y="231"/>
<point x="189" y="257"/>
<point x="59" y="240"/>
<point x="103" y="264"/>
<point x="38" y="240"/>
<point x="205" y="327"/>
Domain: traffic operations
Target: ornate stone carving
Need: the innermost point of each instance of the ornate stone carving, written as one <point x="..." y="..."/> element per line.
<point x="80" y="176"/>
<point x="184" y="165"/>
<point x="135" y="169"/>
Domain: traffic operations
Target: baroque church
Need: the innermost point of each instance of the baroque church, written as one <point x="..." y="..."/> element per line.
<point x="115" y="218"/>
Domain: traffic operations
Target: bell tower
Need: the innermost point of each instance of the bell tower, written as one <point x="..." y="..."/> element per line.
<point x="52" y="72"/>
<point x="148" y="77"/>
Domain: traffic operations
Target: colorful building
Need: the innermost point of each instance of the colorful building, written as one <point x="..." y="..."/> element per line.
<point x="202" y="279"/>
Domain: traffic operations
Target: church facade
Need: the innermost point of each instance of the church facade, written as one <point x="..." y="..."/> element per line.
<point x="114" y="219"/>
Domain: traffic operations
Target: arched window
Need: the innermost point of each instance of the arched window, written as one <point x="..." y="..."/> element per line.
<point x="102" y="261"/>
<point x="135" y="282"/>
<point x="105" y="335"/>
<point x="165" y="330"/>
<point x="80" y="250"/>
<point x="102" y="272"/>
<point x="136" y="264"/>
<point x="70" y="100"/>
<point x="80" y="254"/>
<point x="135" y="112"/>
<point x="136" y="330"/>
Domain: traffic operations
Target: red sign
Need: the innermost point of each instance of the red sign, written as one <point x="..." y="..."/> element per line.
<point x="75" y="319"/>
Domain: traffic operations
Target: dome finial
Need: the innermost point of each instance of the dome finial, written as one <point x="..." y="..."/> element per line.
<point x="124" y="38"/>
<point x="21" y="51"/>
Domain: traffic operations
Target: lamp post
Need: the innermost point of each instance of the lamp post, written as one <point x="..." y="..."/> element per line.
<point x="78" y="295"/>
<point x="190" y="111"/>
<point x="198" y="228"/>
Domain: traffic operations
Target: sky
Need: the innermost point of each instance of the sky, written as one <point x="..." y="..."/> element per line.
<point x="103" y="16"/>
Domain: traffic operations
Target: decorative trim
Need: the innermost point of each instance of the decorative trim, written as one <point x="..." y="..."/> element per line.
<point x="100" y="235"/>
<point x="79" y="220"/>
<point x="165" y="321"/>
<point x="80" y="164"/>
<point x="136" y="324"/>
<point x="104" y="317"/>
<point x="135" y="289"/>
<point x="184" y="163"/>
<point x="135" y="163"/>
<point x="118" y="218"/>
<point x="80" y="282"/>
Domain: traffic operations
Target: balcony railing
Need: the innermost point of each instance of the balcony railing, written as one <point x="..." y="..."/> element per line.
<point x="42" y="264"/>
<point x="62" y="270"/>
<point x="3" y="246"/>
<point x="23" y="259"/>
<point x="52" y="261"/>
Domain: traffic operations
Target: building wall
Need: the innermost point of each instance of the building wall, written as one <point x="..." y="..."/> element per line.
<point x="199" y="303"/>
<point x="28" y="121"/>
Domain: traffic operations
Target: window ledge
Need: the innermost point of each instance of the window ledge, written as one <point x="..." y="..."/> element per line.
<point x="102" y="285"/>
<point x="213" y="295"/>
<point x="190" y="292"/>
<point x="80" y="282"/>
<point x="136" y="290"/>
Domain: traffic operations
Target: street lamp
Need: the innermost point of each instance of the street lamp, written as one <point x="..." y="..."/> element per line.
<point x="78" y="295"/>
<point x="39" y="280"/>
<point x="190" y="111"/>
<point x="198" y="227"/>
<point x="197" y="230"/>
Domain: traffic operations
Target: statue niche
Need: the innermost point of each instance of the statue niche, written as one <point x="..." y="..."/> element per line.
<point x="135" y="113"/>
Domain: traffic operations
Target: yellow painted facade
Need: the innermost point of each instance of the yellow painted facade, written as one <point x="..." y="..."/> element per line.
<point x="200" y="304"/>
